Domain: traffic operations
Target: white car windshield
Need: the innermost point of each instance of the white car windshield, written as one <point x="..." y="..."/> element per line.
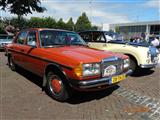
<point x="113" y="36"/>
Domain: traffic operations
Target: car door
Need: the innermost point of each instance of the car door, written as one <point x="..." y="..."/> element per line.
<point x="34" y="63"/>
<point x="18" y="49"/>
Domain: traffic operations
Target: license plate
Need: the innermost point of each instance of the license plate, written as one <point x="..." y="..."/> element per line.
<point x="118" y="78"/>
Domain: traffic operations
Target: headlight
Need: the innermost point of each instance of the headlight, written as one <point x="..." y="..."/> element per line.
<point x="90" y="69"/>
<point x="126" y="63"/>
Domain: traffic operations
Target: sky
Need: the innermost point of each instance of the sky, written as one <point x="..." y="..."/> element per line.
<point x="100" y="12"/>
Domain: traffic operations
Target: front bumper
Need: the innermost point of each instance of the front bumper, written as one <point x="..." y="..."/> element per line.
<point x="148" y="65"/>
<point x="94" y="83"/>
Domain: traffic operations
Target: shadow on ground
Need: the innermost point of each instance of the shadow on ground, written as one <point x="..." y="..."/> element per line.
<point x="30" y="76"/>
<point x="78" y="97"/>
<point x="81" y="97"/>
<point x="142" y="72"/>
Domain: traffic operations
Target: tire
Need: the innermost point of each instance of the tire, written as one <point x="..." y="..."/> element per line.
<point x="56" y="87"/>
<point x="133" y="65"/>
<point x="11" y="63"/>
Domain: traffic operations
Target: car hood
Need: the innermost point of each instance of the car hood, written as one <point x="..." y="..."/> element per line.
<point x="78" y="54"/>
<point x="143" y="44"/>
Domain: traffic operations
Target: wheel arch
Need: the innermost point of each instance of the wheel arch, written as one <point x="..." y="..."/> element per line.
<point x="133" y="58"/>
<point x="8" y="56"/>
<point x="53" y="67"/>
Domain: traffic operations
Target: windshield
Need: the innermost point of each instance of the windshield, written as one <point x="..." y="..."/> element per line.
<point x="52" y="38"/>
<point x="113" y="36"/>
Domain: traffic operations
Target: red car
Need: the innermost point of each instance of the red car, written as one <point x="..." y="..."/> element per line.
<point x="65" y="62"/>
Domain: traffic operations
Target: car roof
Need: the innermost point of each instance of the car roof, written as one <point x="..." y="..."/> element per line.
<point x="40" y="29"/>
<point x="96" y="31"/>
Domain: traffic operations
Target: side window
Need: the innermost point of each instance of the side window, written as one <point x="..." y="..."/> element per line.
<point x="98" y="37"/>
<point x="21" y="37"/>
<point x="86" y="37"/>
<point x="31" y="39"/>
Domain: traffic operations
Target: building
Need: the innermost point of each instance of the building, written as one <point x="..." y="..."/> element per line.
<point x="135" y="29"/>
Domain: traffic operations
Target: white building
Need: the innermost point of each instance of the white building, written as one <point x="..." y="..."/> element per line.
<point x="137" y="28"/>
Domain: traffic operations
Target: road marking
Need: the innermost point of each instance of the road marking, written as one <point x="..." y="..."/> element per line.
<point x="139" y="99"/>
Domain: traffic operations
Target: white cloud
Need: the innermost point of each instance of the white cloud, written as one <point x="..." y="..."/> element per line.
<point x="96" y="11"/>
<point x="93" y="10"/>
<point x="152" y="3"/>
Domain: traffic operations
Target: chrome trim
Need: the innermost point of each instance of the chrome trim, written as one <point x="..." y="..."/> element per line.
<point x="98" y="82"/>
<point x="118" y="62"/>
<point x="148" y="65"/>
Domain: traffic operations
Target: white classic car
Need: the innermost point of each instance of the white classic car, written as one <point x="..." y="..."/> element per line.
<point x="142" y="54"/>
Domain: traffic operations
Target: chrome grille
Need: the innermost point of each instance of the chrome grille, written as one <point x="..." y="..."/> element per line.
<point x="117" y="62"/>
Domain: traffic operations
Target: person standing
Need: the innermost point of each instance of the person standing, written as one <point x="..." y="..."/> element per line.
<point x="155" y="42"/>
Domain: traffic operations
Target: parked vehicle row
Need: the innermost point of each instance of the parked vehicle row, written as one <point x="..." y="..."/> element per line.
<point x="5" y="40"/>
<point x="67" y="63"/>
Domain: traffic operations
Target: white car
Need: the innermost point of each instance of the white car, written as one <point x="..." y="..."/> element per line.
<point x="5" y="40"/>
<point x="141" y="54"/>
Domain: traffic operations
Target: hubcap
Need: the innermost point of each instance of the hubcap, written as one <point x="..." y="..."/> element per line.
<point x="55" y="85"/>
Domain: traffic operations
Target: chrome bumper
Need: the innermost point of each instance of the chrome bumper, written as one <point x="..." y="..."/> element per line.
<point x="148" y="65"/>
<point x="95" y="83"/>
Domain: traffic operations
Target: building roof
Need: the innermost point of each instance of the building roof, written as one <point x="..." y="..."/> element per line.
<point x="137" y="23"/>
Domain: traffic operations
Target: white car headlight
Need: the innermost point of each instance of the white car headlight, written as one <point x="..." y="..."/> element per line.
<point x="126" y="63"/>
<point x="91" y="69"/>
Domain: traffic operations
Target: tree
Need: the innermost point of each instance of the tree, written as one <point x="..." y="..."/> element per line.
<point x="49" y="22"/>
<point x="70" y="25"/>
<point x="21" y="7"/>
<point x="61" y="24"/>
<point x="83" y="23"/>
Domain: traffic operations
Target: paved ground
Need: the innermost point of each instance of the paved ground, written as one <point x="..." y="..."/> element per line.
<point x="135" y="98"/>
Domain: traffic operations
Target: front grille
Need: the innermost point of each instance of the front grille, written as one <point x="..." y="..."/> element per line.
<point x="115" y="61"/>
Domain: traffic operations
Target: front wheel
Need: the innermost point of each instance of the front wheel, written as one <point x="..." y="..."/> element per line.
<point x="56" y="88"/>
<point x="11" y="63"/>
<point x="133" y="65"/>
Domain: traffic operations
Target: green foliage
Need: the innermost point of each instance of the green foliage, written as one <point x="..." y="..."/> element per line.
<point x="21" y="7"/>
<point x="83" y="23"/>
<point x="48" y="22"/>
<point x="70" y="24"/>
<point x="61" y="24"/>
